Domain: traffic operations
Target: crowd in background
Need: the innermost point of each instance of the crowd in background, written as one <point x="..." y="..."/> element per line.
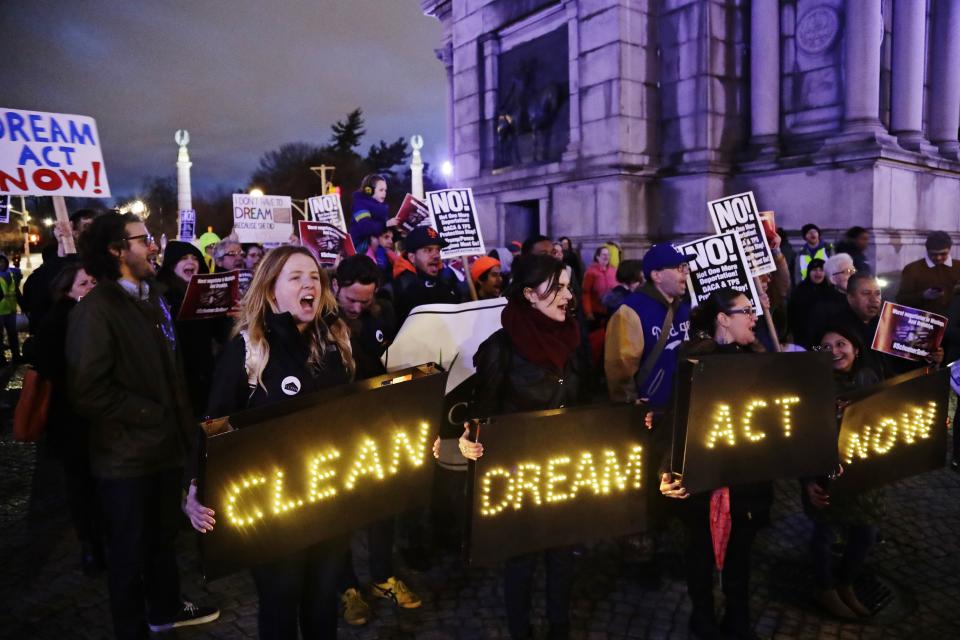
<point x="131" y="382"/>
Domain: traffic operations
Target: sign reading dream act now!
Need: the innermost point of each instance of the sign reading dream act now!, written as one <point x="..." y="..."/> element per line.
<point x="50" y="154"/>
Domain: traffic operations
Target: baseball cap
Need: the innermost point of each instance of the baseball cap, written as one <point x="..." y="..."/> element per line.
<point x="663" y="256"/>
<point x="423" y="237"/>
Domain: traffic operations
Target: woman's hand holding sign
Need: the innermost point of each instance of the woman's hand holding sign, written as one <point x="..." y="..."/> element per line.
<point x="201" y="517"/>
<point x="672" y="488"/>
<point x="468" y="448"/>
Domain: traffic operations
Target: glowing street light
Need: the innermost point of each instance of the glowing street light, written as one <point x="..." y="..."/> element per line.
<point x="137" y="207"/>
<point x="256" y="192"/>
<point x="446" y="168"/>
<point x="48" y="222"/>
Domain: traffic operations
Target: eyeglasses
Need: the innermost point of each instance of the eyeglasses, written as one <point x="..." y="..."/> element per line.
<point x="742" y="311"/>
<point x="683" y="268"/>
<point x="146" y="237"/>
<point x="234" y="254"/>
<point x="849" y="271"/>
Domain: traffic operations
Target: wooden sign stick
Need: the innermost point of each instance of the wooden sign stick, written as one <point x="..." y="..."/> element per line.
<point x="60" y="207"/>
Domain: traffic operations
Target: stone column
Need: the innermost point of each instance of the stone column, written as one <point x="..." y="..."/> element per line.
<point x="491" y="79"/>
<point x="573" y="47"/>
<point x="445" y="55"/>
<point x="764" y="75"/>
<point x="862" y="38"/>
<point x="944" y="113"/>
<point x="909" y="54"/>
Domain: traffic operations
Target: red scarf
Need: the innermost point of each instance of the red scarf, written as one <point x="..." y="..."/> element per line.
<point x="539" y="339"/>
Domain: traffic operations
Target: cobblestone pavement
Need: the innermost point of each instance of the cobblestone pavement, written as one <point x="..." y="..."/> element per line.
<point x="44" y="595"/>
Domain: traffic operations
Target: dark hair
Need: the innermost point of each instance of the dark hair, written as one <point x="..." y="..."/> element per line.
<point x="704" y="317"/>
<point x="369" y="183"/>
<point x="807" y="227"/>
<point x="357" y="269"/>
<point x="532" y="271"/>
<point x="63" y="281"/>
<point x="84" y="214"/>
<point x="938" y="241"/>
<point x="567" y="238"/>
<point x="854" y="232"/>
<point x="106" y="232"/>
<point x="5" y="258"/>
<point x="527" y="246"/>
<point x="596" y="254"/>
<point x="844" y="330"/>
<point x="630" y="271"/>
<point x="854" y="282"/>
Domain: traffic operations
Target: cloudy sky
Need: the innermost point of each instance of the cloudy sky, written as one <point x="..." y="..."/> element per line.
<point x="243" y="76"/>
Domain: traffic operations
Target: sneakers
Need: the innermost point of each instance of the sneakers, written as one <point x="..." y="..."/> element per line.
<point x="397" y="592"/>
<point x="189" y="615"/>
<point x="356" y="611"/>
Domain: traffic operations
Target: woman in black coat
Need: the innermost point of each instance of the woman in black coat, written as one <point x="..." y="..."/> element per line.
<point x="66" y="431"/>
<point x="723" y="323"/>
<point x="530" y="365"/>
<point x="288" y="341"/>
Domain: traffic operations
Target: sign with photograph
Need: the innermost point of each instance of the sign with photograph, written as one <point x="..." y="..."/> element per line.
<point x="262" y="219"/>
<point x="327" y="242"/>
<point x="213" y="295"/>
<point x="907" y="332"/>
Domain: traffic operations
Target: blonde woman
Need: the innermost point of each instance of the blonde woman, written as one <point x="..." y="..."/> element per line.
<point x="288" y="341"/>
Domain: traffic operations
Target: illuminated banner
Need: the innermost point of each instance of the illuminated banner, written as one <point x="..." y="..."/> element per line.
<point x="262" y="219"/>
<point x="894" y="430"/>
<point x="559" y="477"/>
<point x="720" y="263"/>
<point x="327" y="209"/>
<point x="319" y="466"/>
<point x="743" y="418"/>
<point x="907" y="332"/>
<point x="738" y="213"/>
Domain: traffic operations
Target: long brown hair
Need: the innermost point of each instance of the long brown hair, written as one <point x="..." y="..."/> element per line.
<point x="259" y="298"/>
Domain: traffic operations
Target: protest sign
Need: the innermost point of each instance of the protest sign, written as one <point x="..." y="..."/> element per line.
<point x="743" y="418"/>
<point x="187" y="225"/>
<point x="739" y="214"/>
<point x="454" y="215"/>
<point x="412" y="213"/>
<point x="326" y="242"/>
<point x="213" y="295"/>
<point x="51" y="154"/>
<point x="283" y="477"/>
<point x="559" y="477"/>
<point x="907" y="332"/>
<point x="4" y="209"/>
<point x="894" y="430"/>
<point x="262" y="219"/>
<point x="327" y="209"/>
<point x="720" y="263"/>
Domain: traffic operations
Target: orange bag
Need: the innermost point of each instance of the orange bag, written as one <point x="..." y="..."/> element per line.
<point x="30" y="416"/>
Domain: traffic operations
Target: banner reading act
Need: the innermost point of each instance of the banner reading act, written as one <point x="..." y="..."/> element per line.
<point x="262" y="219"/>
<point x="50" y="154"/>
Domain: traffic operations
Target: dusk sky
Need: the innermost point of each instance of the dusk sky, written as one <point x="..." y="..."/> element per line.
<point x="243" y="76"/>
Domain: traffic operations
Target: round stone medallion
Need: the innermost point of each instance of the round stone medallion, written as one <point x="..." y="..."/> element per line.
<point x="817" y="29"/>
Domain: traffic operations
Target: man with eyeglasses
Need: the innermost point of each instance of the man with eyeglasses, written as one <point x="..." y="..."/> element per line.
<point x="124" y="375"/>
<point x="838" y="268"/>
<point x="228" y="255"/>
<point x="928" y="283"/>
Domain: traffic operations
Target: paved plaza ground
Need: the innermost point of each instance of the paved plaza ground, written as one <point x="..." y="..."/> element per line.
<point x="914" y="573"/>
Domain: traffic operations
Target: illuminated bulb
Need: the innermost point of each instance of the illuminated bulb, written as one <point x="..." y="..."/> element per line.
<point x="318" y="475"/>
<point x="415" y="453"/>
<point x="585" y="475"/>
<point x="486" y="487"/>
<point x="366" y="464"/>
<point x="722" y="427"/>
<point x="279" y="505"/>
<point x="786" y="403"/>
<point x="554" y="478"/>
<point x="523" y="482"/>
<point x="235" y="490"/>
<point x="752" y="406"/>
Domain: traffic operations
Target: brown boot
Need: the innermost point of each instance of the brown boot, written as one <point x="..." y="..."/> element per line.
<point x="846" y="593"/>
<point x="831" y="602"/>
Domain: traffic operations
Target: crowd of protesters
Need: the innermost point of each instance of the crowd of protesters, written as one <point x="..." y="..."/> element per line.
<point x="130" y="383"/>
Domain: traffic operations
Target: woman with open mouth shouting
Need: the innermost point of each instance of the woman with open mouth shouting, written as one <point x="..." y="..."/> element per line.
<point x="288" y="340"/>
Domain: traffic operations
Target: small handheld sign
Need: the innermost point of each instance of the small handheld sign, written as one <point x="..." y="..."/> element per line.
<point x="327" y="209"/>
<point x="742" y="418"/>
<point x="738" y="213"/>
<point x="326" y="242"/>
<point x="4" y="209"/>
<point x="554" y="478"/>
<point x="187" y="225"/>
<point x="454" y="215"/>
<point x="213" y="295"/>
<point x="908" y="333"/>
<point x="262" y="219"/>
<point x="720" y="263"/>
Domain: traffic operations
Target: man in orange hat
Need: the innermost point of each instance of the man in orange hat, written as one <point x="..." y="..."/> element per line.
<point x="485" y="272"/>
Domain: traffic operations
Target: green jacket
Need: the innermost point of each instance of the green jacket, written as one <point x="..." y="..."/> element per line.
<point x="124" y="376"/>
<point x="8" y="287"/>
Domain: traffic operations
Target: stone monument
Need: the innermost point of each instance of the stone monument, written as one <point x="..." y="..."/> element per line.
<point x="184" y="195"/>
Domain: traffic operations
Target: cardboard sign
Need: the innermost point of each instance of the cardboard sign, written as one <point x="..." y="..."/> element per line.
<point x="739" y="214"/>
<point x="894" y="430"/>
<point x="454" y="215"/>
<point x="559" y="477"/>
<point x="413" y="212"/>
<point x="188" y="225"/>
<point x="317" y="467"/>
<point x="213" y="295"/>
<point x="720" y="263"/>
<point x="262" y="219"/>
<point x="907" y="332"/>
<point x="743" y="418"/>
<point x="326" y="242"/>
<point x="51" y="154"/>
<point x="4" y="209"/>
<point x="327" y="209"/>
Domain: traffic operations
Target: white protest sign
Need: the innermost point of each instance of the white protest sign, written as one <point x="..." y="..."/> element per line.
<point x="738" y="213"/>
<point x="719" y="264"/>
<point x="50" y="154"/>
<point x="454" y="215"/>
<point x="4" y="209"/>
<point x="327" y="209"/>
<point x="187" y="225"/>
<point x="262" y="219"/>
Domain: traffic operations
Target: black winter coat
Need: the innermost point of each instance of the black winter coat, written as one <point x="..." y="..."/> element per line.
<point x="508" y="383"/>
<point x="410" y="290"/>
